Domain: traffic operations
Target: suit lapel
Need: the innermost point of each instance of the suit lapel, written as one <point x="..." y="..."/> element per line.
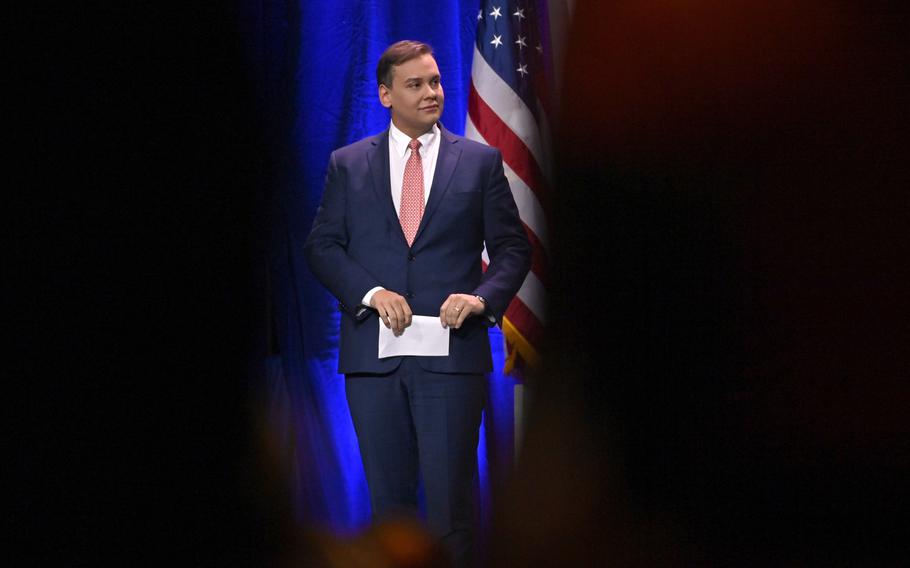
<point x="378" y="158"/>
<point x="445" y="167"/>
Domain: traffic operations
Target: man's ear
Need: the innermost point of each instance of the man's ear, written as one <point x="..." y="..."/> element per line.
<point x="385" y="97"/>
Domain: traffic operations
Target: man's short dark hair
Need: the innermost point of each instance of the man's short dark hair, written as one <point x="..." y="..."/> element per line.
<point x="396" y="54"/>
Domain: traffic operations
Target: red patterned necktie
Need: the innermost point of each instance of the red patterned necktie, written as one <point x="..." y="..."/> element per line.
<point x="411" y="211"/>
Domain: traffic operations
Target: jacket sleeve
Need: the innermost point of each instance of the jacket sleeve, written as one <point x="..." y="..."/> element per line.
<point x="326" y="246"/>
<point x="506" y="241"/>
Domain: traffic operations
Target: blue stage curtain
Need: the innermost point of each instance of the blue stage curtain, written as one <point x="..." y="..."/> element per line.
<point x="314" y="63"/>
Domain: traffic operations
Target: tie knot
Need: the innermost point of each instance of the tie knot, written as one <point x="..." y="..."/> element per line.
<point x="414" y="145"/>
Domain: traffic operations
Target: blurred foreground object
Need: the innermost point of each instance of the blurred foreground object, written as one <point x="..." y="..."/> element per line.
<point x="725" y="370"/>
<point x="392" y="543"/>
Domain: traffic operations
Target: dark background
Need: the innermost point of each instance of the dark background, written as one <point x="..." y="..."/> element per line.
<point x="136" y="309"/>
<point x="726" y="374"/>
<point x="756" y="336"/>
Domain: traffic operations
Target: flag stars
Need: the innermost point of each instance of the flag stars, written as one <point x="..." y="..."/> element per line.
<point x="539" y="48"/>
<point x="496" y="13"/>
<point x="523" y="69"/>
<point x="480" y="14"/>
<point x="521" y="42"/>
<point x="497" y="40"/>
<point x="519" y="13"/>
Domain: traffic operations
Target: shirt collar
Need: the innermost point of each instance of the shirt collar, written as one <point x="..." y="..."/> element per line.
<point x="399" y="140"/>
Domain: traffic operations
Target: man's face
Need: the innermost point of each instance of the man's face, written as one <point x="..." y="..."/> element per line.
<point x="415" y="96"/>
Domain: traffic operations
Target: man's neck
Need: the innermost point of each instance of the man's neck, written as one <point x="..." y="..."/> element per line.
<point x="412" y="134"/>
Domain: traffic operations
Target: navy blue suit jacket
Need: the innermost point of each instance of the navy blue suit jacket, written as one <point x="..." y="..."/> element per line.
<point x="357" y="244"/>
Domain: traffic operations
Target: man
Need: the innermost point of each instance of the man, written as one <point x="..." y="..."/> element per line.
<point x="404" y="218"/>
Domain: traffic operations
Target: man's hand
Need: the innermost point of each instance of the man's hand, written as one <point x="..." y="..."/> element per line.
<point x="393" y="309"/>
<point x="459" y="307"/>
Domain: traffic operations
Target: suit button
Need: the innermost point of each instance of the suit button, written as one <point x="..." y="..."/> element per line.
<point x="411" y="257"/>
<point x="409" y="294"/>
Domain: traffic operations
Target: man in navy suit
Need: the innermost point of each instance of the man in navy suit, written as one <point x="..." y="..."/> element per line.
<point x="404" y="218"/>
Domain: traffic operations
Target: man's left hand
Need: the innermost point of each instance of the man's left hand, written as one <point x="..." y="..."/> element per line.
<point x="459" y="307"/>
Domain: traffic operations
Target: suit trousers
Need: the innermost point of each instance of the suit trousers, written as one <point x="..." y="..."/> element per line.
<point x="414" y="425"/>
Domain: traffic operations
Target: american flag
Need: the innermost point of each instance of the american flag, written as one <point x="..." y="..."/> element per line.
<point x="508" y="108"/>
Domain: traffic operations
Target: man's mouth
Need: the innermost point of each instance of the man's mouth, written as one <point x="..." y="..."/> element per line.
<point x="430" y="107"/>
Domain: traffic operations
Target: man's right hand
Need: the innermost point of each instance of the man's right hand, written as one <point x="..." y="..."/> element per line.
<point x="393" y="309"/>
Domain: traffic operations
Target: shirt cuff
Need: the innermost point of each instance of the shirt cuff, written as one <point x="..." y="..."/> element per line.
<point x="368" y="297"/>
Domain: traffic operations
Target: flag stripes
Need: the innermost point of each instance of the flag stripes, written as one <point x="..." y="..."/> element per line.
<point x="505" y="110"/>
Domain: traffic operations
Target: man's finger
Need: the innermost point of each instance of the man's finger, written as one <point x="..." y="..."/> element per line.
<point x="398" y="321"/>
<point x="462" y="315"/>
<point x="408" y="315"/>
<point x="405" y="311"/>
<point x="442" y="311"/>
<point x="393" y="320"/>
<point x="453" y="313"/>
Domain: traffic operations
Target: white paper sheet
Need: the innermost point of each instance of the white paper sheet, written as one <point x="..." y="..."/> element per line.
<point x="425" y="336"/>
